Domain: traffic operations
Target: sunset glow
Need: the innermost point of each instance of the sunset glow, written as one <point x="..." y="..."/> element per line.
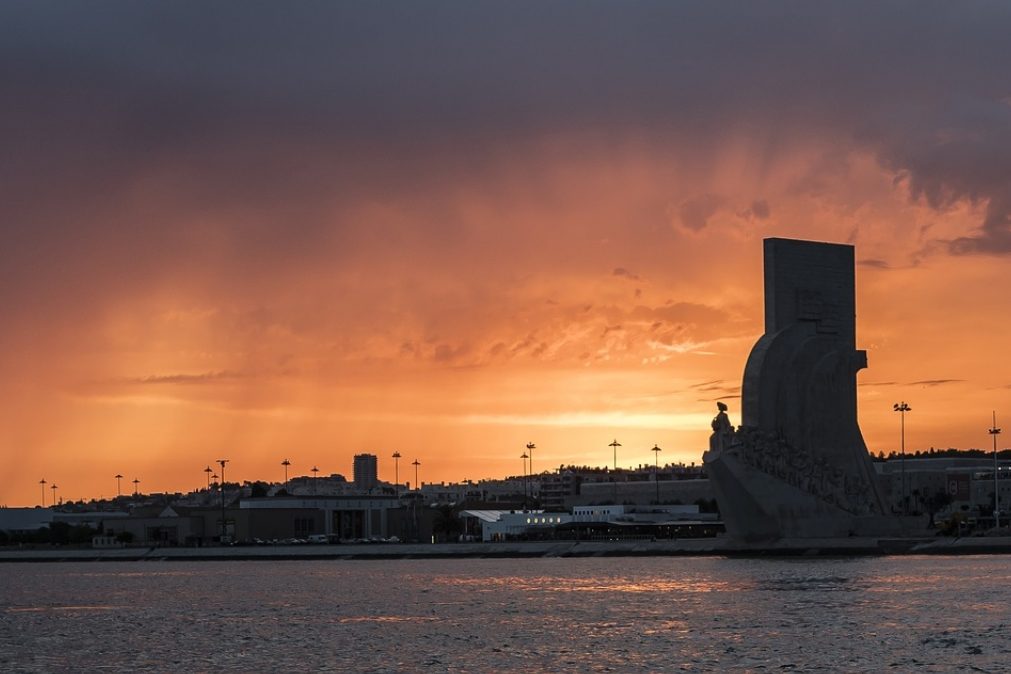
<point x="452" y="231"/>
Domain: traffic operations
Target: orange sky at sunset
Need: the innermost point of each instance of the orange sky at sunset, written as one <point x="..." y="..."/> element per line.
<point x="448" y="232"/>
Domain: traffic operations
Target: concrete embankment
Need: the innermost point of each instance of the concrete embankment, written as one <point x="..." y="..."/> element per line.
<point x="707" y="546"/>
<point x="519" y="549"/>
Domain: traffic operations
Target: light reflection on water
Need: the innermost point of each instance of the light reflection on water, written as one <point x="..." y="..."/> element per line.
<point x="612" y="614"/>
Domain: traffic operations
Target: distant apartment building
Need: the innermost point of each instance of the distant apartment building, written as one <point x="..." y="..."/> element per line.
<point x="366" y="471"/>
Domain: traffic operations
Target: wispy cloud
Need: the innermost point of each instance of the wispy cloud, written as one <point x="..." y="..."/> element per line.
<point x="681" y="422"/>
<point x="199" y="378"/>
<point x="934" y="382"/>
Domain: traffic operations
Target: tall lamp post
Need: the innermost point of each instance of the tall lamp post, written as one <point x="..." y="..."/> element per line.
<point x="224" y="529"/>
<point x="208" y="471"/>
<point x="396" y="473"/>
<point x="54" y="488"/>
<point x="286" y="463"/>
<point x="119" y="490"/>
<point x="656" y="470"/>
<point x="530" y="467"/>
<point x="902" y="408"/>
<point x="135" y="483"/>
<point x="994" y="432"/>
<point x="524" y="457"/>
<point x="614" y="478"/>
<point x="417" y="485"/>
<point x="615" y="445"/>
<point x="43" y="483"/>
<point x="315" y="474"/>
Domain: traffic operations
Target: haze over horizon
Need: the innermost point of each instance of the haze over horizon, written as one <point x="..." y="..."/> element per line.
<point x="448" y="229"/>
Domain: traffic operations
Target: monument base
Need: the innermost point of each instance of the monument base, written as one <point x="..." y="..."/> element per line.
<point x="756" y="506"/>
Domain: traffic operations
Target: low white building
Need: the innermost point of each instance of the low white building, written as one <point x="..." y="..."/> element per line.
<point x="500" y="525"/>
<point x="651" y="514"/>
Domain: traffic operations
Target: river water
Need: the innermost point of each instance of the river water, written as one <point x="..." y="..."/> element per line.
<point x="915" y="614"/>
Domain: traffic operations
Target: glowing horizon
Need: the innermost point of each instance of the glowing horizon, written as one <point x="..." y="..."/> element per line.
<point x="351" y="229"/>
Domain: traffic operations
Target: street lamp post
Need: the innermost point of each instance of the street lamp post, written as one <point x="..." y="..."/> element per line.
<point x="614" y="477"/>
<point x="135" y="483"/>
<point x="43" y="483"/>
<point x="208" y="471"/>
<point x="530" y="467"/>
<point x="119" y="490"/>
<point x="656" y="470"/>
<point x="417" y="485"/>
<point x="54" y="488"/>
<point x="902" y="408"/>
<point x="994" y="432"/>
<point x="524" y="457"/>
<point x="286" y="463"/>
<point x="224" y="529"/>
<point x="396" y="473"/>
<point x="315" y="474"/>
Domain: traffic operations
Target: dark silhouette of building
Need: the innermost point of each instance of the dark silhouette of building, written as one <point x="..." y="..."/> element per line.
<point x="366" y="474"/>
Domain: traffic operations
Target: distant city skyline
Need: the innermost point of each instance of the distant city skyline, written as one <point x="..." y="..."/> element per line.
<point x="332" y="230"/>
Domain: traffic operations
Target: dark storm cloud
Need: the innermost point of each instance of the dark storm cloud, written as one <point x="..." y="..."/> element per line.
<point x="128" y="126"/>
<point x="188" y="72"/>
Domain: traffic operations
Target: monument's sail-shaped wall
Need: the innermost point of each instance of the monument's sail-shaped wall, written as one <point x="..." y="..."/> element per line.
<point x="798" y="465"/>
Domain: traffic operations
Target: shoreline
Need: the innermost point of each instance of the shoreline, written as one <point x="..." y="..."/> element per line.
<point x="706" y="547"/>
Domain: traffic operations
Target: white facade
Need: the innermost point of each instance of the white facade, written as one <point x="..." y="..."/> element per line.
<point x="497" y="525"/>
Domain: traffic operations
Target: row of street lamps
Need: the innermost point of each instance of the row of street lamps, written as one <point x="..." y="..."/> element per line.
<point x="528" y="461"/>
<point x="528" y="469"/>
<point x="315" y="472"/>
<point x="53" y="487"/>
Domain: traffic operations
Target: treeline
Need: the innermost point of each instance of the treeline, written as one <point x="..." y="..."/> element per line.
<point x="57" y="533"/>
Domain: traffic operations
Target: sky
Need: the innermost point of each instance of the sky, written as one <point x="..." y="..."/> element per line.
<point x="260" y="231"/>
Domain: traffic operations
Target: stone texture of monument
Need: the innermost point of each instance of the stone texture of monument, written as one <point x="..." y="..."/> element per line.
<point x="797" y="467"/>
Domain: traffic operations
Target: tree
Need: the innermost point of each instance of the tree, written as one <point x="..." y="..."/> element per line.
<point x="937" y="501"/>
<point x="447" y="526"/>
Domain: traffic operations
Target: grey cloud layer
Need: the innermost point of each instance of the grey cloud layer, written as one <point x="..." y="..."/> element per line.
<point x="279" y="115"/>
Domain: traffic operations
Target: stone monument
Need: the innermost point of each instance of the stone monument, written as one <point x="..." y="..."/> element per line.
<point x="797" y="467"/>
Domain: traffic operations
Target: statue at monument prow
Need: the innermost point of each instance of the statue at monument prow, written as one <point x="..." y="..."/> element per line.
<point x="723" y="430"/>
<point x="798" y="467"/>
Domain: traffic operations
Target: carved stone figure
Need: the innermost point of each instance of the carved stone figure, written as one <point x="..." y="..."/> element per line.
<point x="723" y="430"/>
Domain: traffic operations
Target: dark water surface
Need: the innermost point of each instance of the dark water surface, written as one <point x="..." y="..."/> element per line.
<point x="611" y="614"/>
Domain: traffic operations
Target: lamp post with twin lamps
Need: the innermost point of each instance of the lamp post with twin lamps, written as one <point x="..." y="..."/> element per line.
<point x="994" y="432"/>
<point x="286" y="463"/>
<point x="656" y="470"/>
<point x="902" y="408"/>
<point x="224" y="529"/>
<point x="396" y="473"/>
<point x="524" y="456"/>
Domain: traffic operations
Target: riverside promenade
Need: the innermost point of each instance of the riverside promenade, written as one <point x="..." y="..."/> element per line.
<point x="519" y="549"/>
